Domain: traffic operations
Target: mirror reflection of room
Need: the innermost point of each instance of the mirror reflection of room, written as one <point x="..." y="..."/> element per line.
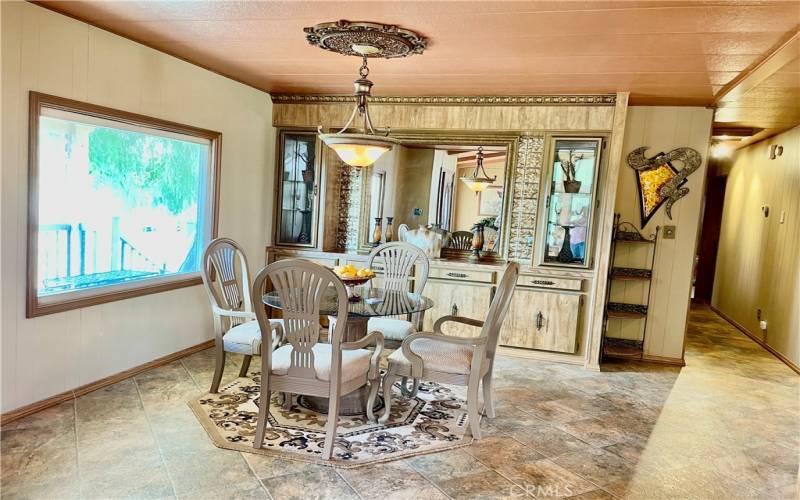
<point x="423" y="188"/>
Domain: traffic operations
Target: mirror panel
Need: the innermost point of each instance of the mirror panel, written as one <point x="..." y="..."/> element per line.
<point x="297" y="171"/>
<point x="418" y="185"/>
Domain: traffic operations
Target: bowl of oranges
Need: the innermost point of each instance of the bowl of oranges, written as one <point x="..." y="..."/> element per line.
<point x="352" y="277"/>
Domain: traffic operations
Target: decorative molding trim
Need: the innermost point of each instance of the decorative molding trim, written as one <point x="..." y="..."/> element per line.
<point x="385" y="40"/>
<point x="757" y="340"/>
<point x="498" y="100"/>
<point x="38" y="406"/>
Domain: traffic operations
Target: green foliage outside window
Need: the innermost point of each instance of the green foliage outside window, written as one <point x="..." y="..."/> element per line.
<point x="142" y="167"/>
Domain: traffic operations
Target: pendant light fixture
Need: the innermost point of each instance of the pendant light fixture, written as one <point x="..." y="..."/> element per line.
<point x="360" y="149"/>
<point x="479" y="180"/>
<point x="363" y="39"/>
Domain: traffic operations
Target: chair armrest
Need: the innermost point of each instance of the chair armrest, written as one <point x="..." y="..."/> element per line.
<point x="417" y="364"/>
<point x="374" y="360"/>
<point x="437" y="326"/>
<point x="233" y="314"/>
<point x="280" y="334"/>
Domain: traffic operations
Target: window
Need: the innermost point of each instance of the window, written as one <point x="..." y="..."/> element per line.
<point x="119" y="204"/>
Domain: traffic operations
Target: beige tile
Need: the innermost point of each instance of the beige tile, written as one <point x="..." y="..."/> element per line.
<point x="549" y="441"/>
<point x="62" y="415"/>
<point x="320" y="485"/>
<point x="267" y="466"/>
<point x="382" y="480"/>
<point x="481" y="485"/>
<point x="598" y="466"/>
<point x="499" y="452"/>
<point x="595" y="431"/>
<point x="544" y="478"/>
<point x="446" y="465"/>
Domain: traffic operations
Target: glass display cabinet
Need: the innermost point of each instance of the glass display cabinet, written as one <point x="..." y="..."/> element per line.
<point x="573" y="164"/>
<point x="298" y="177"/>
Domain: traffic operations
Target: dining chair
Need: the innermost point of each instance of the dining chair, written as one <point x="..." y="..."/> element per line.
<point x="304" y="365"/>
<point x="399" y="261"/>
<point x="461" y="240"/>
<point x="455" y="360"/>
<point x="226" y="278"/>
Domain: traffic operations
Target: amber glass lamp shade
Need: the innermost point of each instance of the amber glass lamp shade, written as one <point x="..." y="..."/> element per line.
<point x="358" y="150"/>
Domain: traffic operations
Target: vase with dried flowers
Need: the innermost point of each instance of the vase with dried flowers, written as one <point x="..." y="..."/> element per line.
<point x="568" y="161"/>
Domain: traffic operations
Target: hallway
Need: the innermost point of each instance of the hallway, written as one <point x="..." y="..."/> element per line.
<point x="723" y="427"/>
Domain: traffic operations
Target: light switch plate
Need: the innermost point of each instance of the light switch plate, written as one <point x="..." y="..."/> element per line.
<point x="669" y="232"/>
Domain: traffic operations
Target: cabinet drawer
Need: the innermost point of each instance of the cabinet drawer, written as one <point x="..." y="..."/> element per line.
<point x="462" y="275"/>
<point x="550" y="282"/>
<point x="542" y="320"/>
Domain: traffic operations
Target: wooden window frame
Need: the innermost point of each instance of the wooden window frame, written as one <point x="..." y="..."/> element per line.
<point x="38" y="101"/>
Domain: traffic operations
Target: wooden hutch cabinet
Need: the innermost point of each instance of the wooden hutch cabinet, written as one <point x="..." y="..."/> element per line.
<point x="556" y="160"/>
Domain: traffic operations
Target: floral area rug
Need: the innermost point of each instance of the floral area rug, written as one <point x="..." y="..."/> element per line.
<point x="434" y="420"/>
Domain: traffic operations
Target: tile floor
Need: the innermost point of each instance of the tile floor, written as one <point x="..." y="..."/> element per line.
<point x="725" y="426"/>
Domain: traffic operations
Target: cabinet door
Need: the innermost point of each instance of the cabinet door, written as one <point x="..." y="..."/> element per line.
<point x="297" y="181"/>
<point x="542" y="320"/>
<point x="462" y="299"/>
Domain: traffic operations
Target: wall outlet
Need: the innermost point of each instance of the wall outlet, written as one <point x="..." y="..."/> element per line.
<point x="762" y="324"/>
<point x="669" y="232"/>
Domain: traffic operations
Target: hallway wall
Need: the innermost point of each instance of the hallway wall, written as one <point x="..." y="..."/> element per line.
<point x="661" y="128"/>
<point x="758" y="265"/>
<point x="54" y="54"/>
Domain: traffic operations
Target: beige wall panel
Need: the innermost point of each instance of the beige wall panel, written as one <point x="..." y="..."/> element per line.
<point x="401" y="116"/>
<point x="662" y="129"/>
<point x="757" y="262"/>
<point x="47" y="52"/>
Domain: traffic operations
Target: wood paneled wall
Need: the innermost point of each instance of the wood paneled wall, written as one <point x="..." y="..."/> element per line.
<point x="442" y="117"/>
<point x="662" y="129"/>
<point x="51" y="53"/>
<point x="758" y="261"/>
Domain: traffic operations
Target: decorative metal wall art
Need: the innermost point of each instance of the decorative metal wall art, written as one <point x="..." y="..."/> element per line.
<point x="658" y="179"/>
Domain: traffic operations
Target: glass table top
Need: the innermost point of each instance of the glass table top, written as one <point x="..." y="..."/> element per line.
<point x="374" y="302"/>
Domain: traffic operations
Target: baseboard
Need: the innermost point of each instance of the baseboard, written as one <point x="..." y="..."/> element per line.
<point x="663" y="360"/>
<point x="38" y="406"/>
<point x="757" y="340"/>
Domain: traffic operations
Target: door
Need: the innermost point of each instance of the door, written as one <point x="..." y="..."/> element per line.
<point x="542" y="320"/>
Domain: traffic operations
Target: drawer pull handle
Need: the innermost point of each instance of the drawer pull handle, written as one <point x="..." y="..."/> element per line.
<point x="457" y="275"/>
<point x="454" y="310"/>
<point x="543" y="282"/>
<point x="539" y="321"/>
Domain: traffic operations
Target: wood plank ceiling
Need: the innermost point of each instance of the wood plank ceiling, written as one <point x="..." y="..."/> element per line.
<point x="663" y="52"/>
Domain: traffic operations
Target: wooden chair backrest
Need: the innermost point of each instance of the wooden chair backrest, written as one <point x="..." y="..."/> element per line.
<point x="399" y="259"/>
<point x="499" y="308"/>
<point x="226" y="277"/>
<point x="301" y="285"/>
<point x="461" y="240"/>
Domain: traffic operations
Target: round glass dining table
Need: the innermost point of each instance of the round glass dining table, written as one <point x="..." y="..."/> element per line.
<point x="374" y="302"/>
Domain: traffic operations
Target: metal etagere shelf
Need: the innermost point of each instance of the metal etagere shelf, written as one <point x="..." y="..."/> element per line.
<point x="627" y="233"/>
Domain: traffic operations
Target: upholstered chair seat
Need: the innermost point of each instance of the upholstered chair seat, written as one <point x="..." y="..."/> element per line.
<point x="355" y="363"/>
<point x="391" y="328"/>
<point x="246" y="338"/>
<point x="437" y="356"/>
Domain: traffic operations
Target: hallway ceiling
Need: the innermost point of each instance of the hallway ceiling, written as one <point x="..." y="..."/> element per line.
<point x="663" y="52"/>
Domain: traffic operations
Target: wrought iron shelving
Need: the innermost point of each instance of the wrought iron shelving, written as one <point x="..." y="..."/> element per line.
<point x="625" y="232"/>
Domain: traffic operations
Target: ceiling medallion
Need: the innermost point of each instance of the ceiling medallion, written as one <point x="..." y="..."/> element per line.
<point x="384" y="40"/>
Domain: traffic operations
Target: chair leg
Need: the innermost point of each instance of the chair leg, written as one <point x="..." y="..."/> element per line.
<point x="473" y="406"/>
<point x="488" y="396"/>
<point x="330" y="427"/>
<point x="220" y="351"/>
<point x="245" y="366"/>
<point x="373" y="394"/>
<point x="287" y="401"/>
<point x="263" y="411"/>
<point x="388" y="383"/>
<point x="409" y="393"/>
